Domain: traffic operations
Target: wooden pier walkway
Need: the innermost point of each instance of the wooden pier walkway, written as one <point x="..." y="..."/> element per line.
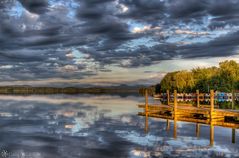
<point x="199" y="115"/>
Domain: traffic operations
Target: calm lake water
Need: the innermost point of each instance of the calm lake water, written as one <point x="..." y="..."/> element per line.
<point x="57" y="126"/>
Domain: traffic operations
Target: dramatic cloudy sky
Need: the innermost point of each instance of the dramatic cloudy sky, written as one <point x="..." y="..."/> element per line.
<point x="104" y="42"/>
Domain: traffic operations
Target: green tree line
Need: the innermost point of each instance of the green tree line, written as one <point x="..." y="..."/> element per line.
<point x="224" y="78"/>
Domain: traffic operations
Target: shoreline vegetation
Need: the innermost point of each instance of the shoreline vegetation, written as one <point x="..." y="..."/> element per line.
<point x="66" y="90"/>
<point x="224" y="78"/>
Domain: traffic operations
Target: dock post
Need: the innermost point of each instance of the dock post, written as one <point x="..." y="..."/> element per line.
<point x="197" y="129"/>
<point x="146" y="111"/>
<point x="211" y="135"/>
<point x="198" y="105"/>
<point x="211" y="101"/>
<point x="175" y="114"/>
<point x="175" y="102"/>
<point x="233" y="135"/>
<point x="168" y="125"/>
<point x="211" y="117"/>
<point x="168" y="97"/>
<point x="233" y="105"/>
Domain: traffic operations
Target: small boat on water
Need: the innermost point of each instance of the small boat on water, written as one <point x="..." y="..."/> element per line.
<point x="187" y="97"/>
<point x="157" y="96"/>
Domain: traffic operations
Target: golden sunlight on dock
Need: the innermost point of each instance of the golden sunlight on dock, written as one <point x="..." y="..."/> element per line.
<point x="207" y="115"/>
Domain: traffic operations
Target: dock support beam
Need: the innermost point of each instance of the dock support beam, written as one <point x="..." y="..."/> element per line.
<point x="233" y="135"/>
<point x="168" y="125"/>
<point x="211" y="135"/>
<point x="175" y="114"/>
<point x="211" y="117"/>
<point x="233" y="106"/>
<point x="146" y="110"/>
<point x="175" y="102"/>
<point x="198" y="105"/>
<point x="197" y="129"/>
<point x="211" y="102"/>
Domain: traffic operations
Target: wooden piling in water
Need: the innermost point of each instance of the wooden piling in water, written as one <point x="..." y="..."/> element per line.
<point x="211" y="135"/>
<point x="168" y="125"/>
<point x="197" y="130"/>
<point x="198" y="105"/>
<point x="146" y="101"/>
<point x="175" y="129"/>
<point x="233" y="130"/>
<point x="211" y="101"/>
<point x="211" y="117"/>
<point x="233" y="135"/>
<point x="175" y="102"/>
<point x="146" y="110"/>
<point x="175" y="114"/>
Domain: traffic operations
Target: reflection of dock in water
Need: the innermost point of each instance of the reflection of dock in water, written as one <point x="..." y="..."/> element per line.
<point x="198" y="115"/>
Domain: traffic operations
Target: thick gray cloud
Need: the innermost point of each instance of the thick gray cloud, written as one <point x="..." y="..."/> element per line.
<point x="77" y="38"/>
<point x="35" y="6"/>
<point x="143" y="10"/>
<point x="187" y="9"/>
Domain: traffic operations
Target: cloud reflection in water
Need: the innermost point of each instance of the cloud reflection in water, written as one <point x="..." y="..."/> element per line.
<point x="97" y="126"/>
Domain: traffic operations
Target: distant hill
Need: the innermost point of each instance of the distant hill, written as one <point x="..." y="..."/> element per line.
<point x="66" y="90"/>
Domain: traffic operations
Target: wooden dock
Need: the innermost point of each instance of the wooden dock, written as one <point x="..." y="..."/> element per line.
<point x="199" y="115"/>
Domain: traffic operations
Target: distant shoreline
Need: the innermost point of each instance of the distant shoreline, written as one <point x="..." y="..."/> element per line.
<point x="65" y="90"/>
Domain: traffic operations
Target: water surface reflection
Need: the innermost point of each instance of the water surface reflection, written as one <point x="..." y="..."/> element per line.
<point x="98" y="126"/>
